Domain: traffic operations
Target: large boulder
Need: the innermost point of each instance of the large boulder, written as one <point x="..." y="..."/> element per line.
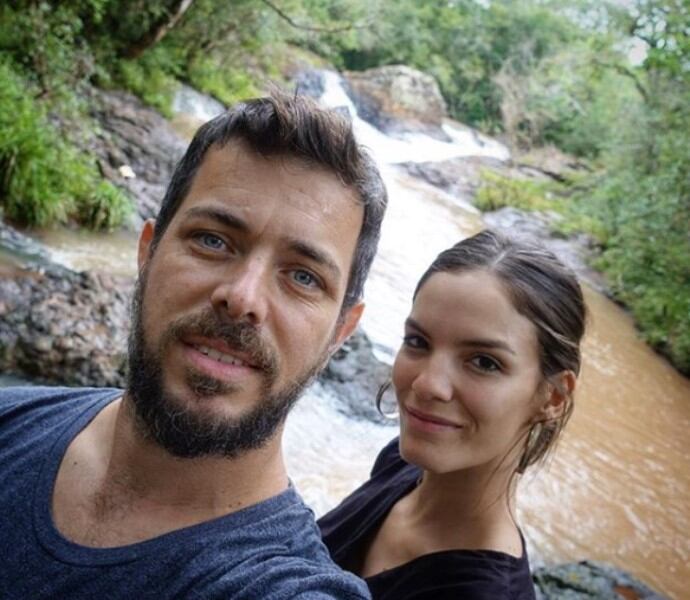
<point x="64" y="327"/>
<point x="354" y="375"/>
<point x="459" y="176"/>
<point x="397" y="99"/>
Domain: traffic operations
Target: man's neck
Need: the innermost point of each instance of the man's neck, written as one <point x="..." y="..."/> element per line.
<point x="116" y="487"/>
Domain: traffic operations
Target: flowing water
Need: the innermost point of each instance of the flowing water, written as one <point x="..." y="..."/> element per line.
<point x="618" y="488"/>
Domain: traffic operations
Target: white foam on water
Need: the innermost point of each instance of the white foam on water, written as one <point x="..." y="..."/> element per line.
<point x="410" y="147"/>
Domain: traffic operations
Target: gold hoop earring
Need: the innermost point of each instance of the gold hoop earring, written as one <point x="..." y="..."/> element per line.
<point x="394" y="415"/>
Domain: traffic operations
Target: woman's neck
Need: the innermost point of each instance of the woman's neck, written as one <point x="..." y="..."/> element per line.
<point x="466" y="509"/>
<point x="456" y="511"/>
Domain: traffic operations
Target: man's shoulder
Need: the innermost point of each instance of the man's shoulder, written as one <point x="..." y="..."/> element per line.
<point x="284" y="577"/>
<point x="276" y="552"/>
<point x="39" y="403"/>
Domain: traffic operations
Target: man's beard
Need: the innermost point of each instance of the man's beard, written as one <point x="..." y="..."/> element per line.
<point x="173" y="423"/>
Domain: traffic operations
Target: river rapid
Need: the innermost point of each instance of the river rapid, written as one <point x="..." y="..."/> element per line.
<point x="618" y="487"/>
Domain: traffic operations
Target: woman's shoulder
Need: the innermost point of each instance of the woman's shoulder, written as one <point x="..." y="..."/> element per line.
<point x="349" y="523"/>
<point x="469" y="574"/>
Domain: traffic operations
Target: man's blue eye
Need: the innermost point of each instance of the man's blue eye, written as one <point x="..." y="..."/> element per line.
<point x="304" y="278"/>
<point x="211" y="241"/>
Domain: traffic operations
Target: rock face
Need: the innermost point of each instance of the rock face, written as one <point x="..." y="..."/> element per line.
<point x="459" y="176"/>
<point x="21" y="247"/>
<point x="355" y="375"/>
<point x="64" y="327"/>
<point x="397" y="98"/>
<point x="128" y="133"/>
<point x="589" y="580"/>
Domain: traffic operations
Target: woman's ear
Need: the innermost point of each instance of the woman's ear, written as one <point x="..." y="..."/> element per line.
<point x="559" y="391"/>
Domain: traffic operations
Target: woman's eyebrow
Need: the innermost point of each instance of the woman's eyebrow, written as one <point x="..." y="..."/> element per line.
<point x="412" y="324"/>
<point x="486" y="343"/>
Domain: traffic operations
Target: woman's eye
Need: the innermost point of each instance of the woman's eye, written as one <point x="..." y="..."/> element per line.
<point x="485" y="363"/>
<point x="304" y="278"/>
<point x="210" y="241"/>
<point x="414" y="341"/>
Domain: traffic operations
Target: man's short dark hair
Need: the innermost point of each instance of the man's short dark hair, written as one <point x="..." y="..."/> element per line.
<point x="293" y="126"/>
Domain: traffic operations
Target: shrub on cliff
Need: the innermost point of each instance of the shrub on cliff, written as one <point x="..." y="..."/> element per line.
<point x="43" y="179"/>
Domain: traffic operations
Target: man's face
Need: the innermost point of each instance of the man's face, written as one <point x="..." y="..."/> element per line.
<point x="239" y="304"/>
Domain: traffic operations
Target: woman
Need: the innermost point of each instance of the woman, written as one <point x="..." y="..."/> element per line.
<point x="484" y="382"/>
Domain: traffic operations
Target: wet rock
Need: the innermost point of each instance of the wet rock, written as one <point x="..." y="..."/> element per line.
<point x="310" y="83"/>
<point x="21" y="249"/>
<point x="354" y="375"/>
<point x="398" y="99"/>
<point x="128" y="138"/>
<point x="67" y="328"/>
<point x="459" y="176"/>
<point x="588" y="580"/>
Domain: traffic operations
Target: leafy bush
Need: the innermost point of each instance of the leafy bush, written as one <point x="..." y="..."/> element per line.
<point x="226" y="84"/>
<point x="497" y="191"/>
<point x="43" y="180"/>
<point x="151" y="77"/>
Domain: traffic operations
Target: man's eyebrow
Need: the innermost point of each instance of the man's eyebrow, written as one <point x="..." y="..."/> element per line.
<point x="316" y="255"/>
<point x="487" y="343"/>
<point x="217" y="214"/>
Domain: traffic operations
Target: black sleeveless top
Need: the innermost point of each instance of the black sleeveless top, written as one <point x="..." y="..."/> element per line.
<point x="450" y="574"/>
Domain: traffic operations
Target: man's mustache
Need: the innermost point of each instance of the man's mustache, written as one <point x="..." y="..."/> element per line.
<point x="238" y="335"/>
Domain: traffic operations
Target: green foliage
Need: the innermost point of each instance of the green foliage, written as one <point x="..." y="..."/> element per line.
<point x="43" y="180"/>
<point x="497" y="191"/>
<point x="226" y="84"/>
<point x="46" y="41"/>
<point x="151" y="77"/>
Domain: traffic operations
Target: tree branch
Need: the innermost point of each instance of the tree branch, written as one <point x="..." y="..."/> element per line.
<point x="158" y="29"/>
<point x="296" y="25"/>
<point x="621" y="70"/>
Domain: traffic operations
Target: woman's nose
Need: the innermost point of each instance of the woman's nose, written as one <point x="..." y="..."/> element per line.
<point x="434" y="382"/>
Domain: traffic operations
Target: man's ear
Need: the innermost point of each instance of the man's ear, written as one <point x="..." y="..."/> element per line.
<point x="559" y="391"/>
<point x="145" y="239"/>
<point x="346" y="326"/>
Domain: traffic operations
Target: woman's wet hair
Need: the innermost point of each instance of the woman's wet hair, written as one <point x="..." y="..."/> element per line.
<point x="543" y="290"/>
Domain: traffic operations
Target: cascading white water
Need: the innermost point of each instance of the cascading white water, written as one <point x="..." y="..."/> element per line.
<point x="188" y="101"/>
<point x="410" y="147"/>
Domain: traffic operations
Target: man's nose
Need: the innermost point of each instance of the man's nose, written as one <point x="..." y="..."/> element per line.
<point x="434" y="381"/>
<point x="243" y="292"/>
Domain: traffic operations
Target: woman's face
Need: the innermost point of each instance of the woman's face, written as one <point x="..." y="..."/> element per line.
<point x="467" y="376"/>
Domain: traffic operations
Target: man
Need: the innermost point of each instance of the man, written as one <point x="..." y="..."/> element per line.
<point x="249" y="279"/>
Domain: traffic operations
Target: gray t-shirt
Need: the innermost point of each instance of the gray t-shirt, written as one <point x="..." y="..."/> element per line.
<point x="271" y="550"/>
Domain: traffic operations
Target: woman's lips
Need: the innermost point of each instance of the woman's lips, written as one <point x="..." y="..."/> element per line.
<point x="428" y="422"/>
